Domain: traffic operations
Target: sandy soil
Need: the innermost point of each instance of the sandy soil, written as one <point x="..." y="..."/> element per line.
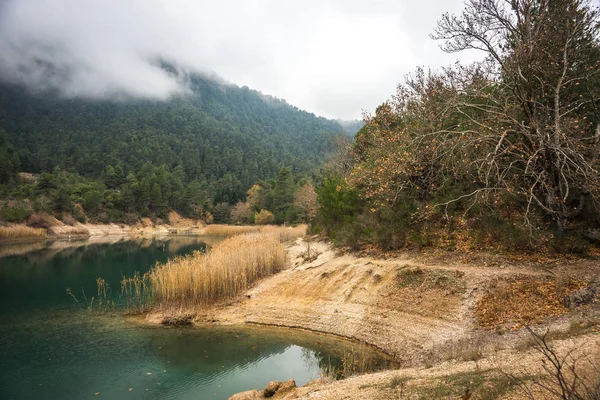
<point x="427" y="383"/>
<point x="424" y="323"/>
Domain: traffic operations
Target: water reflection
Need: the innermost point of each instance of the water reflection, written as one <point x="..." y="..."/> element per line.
<point x="53" y="348"/>
<point x="39" y="278"/>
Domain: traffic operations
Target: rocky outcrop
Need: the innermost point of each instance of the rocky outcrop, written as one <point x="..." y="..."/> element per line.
<point x="287" y="386"/>
<point x="587" y="295"/>
<point x="272" y="390"/>
<point x="247" y="395"/>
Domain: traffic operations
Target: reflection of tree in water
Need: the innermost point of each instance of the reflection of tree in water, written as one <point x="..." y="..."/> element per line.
<point x="37" y="253"/>
<point x="214" y="351"/>
<point x="311" y="357"/>
<point x="42" y="275"/>
<point x="218" y="350"/>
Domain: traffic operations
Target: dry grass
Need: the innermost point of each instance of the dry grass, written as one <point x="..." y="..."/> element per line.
<point x="227" y="270"/>
<point x="229" y="230"/>
<point x="282" y="233"/>
<point x="415" y="277"/>
<point x="66" y="230"/>
<point x="21" y="232"/>
<point x="69" y="220"/>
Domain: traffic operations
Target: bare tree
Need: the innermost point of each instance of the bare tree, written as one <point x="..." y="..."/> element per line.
<point x="306" y="201"/>
<point x="339" y="160"/>
<point x="533" y="108"/>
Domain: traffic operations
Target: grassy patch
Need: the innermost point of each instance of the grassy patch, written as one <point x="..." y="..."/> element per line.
<point x="398" y="381"/>
<point x="479" y="385"/>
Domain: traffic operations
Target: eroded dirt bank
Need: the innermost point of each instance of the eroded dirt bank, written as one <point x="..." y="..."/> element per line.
<point x="428" y="312"/>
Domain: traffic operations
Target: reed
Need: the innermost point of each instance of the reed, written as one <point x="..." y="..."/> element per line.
<point x="229" y="230"/>
<point x="353" y="362"/>
<point x="104" y="302"/>
<point x="136" y="293"/>
<point x="282" y="233"/>
<point x="12" y="232"/>
<point x="229" y="269"/>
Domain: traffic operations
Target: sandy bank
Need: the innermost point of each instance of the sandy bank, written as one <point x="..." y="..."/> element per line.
<point x="425" y="319"/>
<point x="56" y="229"/>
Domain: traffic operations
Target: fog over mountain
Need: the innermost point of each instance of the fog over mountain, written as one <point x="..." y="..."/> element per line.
<point x="334" y="58"/>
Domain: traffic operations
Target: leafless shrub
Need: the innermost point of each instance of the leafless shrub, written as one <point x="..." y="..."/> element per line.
<point x="68" y="220"/>
<point x="566" y="377"/>
<point x="41" y="220"/>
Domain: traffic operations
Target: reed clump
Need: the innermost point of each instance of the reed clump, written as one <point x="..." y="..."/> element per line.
<point x="229" y="230"/>
<point x="12" y="232"/>
<point x="229" y="269"/>
<point x="282" y="233"/>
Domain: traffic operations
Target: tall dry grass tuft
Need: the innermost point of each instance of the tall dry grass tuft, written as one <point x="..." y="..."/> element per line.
<point x="227" y="270"/>
<point x="229" y="230"/>
<point x="282" y="233"/>
<point x="21" y="232"/>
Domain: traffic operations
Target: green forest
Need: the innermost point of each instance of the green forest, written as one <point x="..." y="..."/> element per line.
<point x="115" y="161"/>
<point x="504" y="152"/>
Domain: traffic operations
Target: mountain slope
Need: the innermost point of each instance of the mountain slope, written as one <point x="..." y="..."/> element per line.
<point x="220" y="135"/>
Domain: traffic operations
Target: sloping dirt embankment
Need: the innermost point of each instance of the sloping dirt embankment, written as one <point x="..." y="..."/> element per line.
<point x="421" y="311"/>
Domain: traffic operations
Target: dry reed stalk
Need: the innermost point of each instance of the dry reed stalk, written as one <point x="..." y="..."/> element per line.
<point x="229" y="230"/>
<point x="21" y="232"/>
<point x="282" y="233"/>
<point x="227" y="270"/>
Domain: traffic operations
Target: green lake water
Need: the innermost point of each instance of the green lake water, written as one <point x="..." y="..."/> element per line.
<point x="52" y="347"/>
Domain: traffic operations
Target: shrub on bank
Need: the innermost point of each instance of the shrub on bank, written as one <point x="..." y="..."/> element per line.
<point x="264" y="217"/>
<point x="15" y="211"/>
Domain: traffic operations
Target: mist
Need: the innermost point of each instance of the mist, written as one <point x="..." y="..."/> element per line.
<point x="333" y="58"/>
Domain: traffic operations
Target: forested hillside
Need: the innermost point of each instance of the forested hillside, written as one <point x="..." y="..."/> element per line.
<point x="144" y="157"/>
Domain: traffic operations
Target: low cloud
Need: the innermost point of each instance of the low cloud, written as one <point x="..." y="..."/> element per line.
<point x="334" y="58"/>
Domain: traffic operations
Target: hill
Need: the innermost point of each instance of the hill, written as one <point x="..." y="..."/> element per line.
<point x="209" y="145"/>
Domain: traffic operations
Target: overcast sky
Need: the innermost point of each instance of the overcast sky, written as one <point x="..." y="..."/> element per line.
<point x="331" y="57"/>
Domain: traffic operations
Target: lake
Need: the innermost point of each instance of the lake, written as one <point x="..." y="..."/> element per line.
<point x="53" y="347"/>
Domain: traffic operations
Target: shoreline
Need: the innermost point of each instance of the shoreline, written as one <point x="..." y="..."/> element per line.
<point x="420" y="309"/>
<point x="421" y="325"/>
<point x="22" y="246"/>
<point x="58" y="230"/>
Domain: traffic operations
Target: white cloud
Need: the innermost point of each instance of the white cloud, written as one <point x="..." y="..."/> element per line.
<point x="334" y="58"/>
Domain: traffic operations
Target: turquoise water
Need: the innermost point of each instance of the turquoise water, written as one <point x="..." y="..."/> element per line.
<point x="52" y="347"/>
